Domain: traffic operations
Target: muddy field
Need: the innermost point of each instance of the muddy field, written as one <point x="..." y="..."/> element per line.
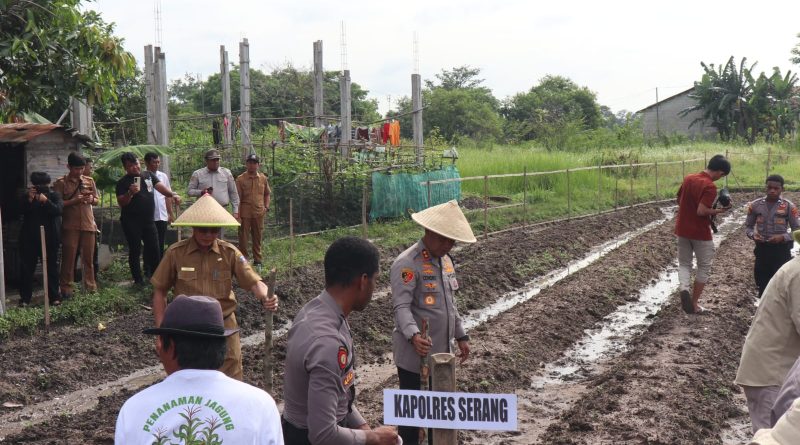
<point x="669" y="382"/>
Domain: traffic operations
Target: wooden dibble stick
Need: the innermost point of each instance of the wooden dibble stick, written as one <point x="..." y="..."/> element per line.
<point x="424" y="374"/>
<point x="268" y="365"/>
<point x="44" y="275"/>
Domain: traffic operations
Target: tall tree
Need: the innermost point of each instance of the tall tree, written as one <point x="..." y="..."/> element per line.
<point x="796" y="53"/>
<point x="51" y="50"/>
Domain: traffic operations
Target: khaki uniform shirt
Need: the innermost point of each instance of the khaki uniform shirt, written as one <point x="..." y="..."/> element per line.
<point x="222" y="182"/>
<point x="77" y="216"/>
<point x="252" y="189"/>
<point x="319" y="379"/>
<point x="768" y="219"/>
<point x="193" y="271"/>
<point x="423" y="287"/>
<point x="773" y="341"/>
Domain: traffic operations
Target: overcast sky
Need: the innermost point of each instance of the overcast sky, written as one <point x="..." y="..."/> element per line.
<point x="622" y="50"/>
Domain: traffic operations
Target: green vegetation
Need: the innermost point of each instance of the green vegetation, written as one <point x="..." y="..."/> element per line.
<point x="51" y="50"/>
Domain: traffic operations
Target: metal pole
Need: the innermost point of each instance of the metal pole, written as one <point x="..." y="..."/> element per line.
<point x="268" y="318"/>
<point x="569" y="197"/>
<point x="45" y="278"/>
<point x="444" y="380"/>
<point x="524" y="196"/>
<point x="486" y="207"/>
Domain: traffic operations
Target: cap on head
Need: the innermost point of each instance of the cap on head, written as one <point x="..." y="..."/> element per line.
<point x="446" y="220"/>
<point x="206" y="212"/>
<point x="252" y="158"/>
<point x="212" y="154"/>
<point x="197" y="316"/>
<point x="75" y="160"/>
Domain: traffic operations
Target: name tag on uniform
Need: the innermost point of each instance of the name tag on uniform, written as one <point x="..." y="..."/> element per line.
<point x="187" y="269"/>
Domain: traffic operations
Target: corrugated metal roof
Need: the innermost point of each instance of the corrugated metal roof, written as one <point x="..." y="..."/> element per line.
<point x="21" y="133"/>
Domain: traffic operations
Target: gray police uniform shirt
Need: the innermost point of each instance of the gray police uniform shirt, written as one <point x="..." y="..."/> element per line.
<point x="768" y="219"/>
<point x="423" y="287"/>
<point x="319" y="379"/>
<point x="224" y="186"/>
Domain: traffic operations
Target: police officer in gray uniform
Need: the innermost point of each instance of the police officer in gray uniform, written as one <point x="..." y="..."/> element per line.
<point x="768" y="221"/>
<point x="423" y="282"/>
<point x="320" y="375"/>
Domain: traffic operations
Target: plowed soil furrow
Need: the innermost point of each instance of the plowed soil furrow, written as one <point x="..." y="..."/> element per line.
<point x="487" y="269"/>
<point x="674" y="385"/>
<point x="512" y="347"/>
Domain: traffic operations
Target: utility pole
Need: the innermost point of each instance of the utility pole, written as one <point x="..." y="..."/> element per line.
<point x="346" y="113"/>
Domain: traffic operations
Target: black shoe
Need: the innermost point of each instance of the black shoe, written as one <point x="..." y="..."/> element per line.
<point x="686" y="302"/>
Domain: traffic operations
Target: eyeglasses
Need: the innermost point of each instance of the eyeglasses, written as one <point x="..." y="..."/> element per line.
<point x="207" y="229"/>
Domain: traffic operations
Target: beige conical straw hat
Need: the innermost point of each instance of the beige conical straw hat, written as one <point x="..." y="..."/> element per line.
<point x="446" y="220"/>
<point x="206" y="212"/>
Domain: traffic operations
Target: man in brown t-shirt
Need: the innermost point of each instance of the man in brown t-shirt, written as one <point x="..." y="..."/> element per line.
<point x="78" y="228"/>
<point x="254" y="197"/>
<point x="205" y="265"/>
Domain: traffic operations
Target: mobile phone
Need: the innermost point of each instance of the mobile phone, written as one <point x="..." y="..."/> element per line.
<point x="138" y="181"/>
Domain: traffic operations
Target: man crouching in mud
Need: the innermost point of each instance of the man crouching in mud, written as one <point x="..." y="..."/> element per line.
<point x="693" y="229"/>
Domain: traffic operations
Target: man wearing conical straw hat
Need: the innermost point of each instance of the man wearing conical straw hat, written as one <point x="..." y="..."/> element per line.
<point x="423" y="286"/>
<point x="205" y="265"/>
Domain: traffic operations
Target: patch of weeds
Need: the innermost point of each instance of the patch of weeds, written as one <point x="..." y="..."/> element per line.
<point x="535" y="265"/>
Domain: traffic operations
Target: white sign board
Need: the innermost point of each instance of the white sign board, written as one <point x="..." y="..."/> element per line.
<point x="450" y="410"/>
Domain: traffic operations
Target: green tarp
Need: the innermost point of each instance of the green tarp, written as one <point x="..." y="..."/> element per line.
<point x="398" y="194"/>
<point x="308" y="134"/>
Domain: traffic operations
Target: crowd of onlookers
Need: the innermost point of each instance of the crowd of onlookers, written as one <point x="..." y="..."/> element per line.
<point x="64" y="208"/>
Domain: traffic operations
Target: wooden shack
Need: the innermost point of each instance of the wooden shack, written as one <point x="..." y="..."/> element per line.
<point x="25" y="148"/>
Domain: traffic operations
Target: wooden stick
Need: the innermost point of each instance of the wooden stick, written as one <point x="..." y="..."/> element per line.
<point x="424" y="374"/>
<point x="291" y="235"/>
<point x="44" y="275"/>
<point x="268" y="365"/>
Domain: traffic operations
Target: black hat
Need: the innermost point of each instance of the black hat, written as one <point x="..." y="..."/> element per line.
<point x="212" y="154"/>
<point x="252" y="158"/>
<point x="75" y="160"/>
<point x="196" y="316"/>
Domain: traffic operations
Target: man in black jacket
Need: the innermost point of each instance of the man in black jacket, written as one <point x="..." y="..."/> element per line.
<point x="41" y="206"/>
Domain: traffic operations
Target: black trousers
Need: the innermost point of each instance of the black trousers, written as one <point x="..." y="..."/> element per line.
<point x="141" y="235"/>
<point x="769" y="258"/>
<point x="410" y="380"/>
<point x="161" y="229"/>
<point x="293" y="435"/>
<point x="30" y="257"/>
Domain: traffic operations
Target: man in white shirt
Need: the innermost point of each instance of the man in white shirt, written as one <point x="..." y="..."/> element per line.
<point x="216" y="181"/>
<point x="196" y="402"/>
<point x="163" y="212"/>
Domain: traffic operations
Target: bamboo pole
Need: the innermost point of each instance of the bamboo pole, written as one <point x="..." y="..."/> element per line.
<point x="633" y="197"/>
<point x="485" y="207"/>
<point x="291" y="234"/>
<point x="2" y="272"/>
<point x="599" y="188"/>
<point x="524" y="196"/>
<point x="45" y="279"/>
<point x="769" y="160"/>
<point x="569" y="197"/>
<point x="268" y="322"/>
<point x="364" y="232"/>
<point x="444" y="380"/>
<point x="657" y="194"/>
<point x="616" y="191"/>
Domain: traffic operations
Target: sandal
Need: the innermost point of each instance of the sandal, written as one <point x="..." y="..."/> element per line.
<point x="686" y="302"/>
<point x="702" y="311"/>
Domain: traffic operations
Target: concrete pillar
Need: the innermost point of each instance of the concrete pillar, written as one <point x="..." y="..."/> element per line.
<point x="225" y="77"/>
<point x="150" y="99"/>
<point x="416" y="117"/>
<point x="346" y="113"/>
<point x="318" y="86"/>
<point x="162" y="101"/>
<point x="244" y="96"/>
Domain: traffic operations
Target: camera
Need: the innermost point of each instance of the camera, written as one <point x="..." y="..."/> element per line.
<point x="41" y="188"/>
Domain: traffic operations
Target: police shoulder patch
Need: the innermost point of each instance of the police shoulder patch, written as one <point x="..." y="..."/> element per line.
<point x="341" y="357"/>
<point x="407" y="274"/>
